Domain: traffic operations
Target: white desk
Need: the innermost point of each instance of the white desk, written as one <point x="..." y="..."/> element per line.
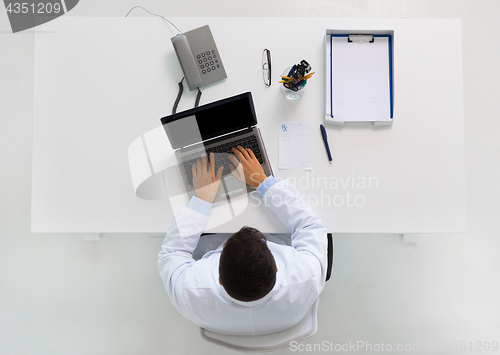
<point x="102" y="82"/>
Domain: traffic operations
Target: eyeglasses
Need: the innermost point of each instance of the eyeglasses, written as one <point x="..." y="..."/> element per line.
<point x="266" y="66"/>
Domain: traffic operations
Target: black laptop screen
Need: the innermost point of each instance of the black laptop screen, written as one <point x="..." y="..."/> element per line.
<point x="209" y="121"/>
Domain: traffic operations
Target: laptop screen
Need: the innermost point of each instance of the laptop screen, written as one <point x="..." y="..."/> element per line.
<point x="210" y="121"/>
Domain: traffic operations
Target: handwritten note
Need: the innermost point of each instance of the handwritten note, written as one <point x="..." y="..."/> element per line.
<point x="295" y="145"/>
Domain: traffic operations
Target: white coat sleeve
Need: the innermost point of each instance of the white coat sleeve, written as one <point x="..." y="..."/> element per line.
<point x="176" y="255"/>
<point x="308" y="232"/>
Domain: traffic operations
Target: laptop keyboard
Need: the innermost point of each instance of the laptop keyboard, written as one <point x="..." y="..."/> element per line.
<point x="222" y="159"/>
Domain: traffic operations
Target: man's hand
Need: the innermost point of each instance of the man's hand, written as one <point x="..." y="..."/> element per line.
<point x="248" y="168"/>
<point x="205" y="182"/>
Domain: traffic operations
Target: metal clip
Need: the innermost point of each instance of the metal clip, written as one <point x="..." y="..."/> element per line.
<point x="360" y="39"/>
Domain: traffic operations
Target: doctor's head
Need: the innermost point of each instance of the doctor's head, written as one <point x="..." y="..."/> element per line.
<point x="247" y="270"/>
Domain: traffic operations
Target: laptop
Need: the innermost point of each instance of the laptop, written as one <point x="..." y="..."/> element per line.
<point x="216" y="127"/>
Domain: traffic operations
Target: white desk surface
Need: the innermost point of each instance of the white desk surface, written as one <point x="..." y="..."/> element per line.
<point x="102" y="82"/>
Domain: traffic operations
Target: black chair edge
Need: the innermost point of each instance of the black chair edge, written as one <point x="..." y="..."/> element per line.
<point x="330" y="256"/>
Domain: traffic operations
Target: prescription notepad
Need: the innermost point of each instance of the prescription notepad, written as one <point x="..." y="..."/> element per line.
<point x="359" y="79"/>
<point x="295" y="145"/>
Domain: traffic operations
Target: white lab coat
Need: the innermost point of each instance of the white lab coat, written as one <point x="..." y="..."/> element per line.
<point x="193" y="286"/>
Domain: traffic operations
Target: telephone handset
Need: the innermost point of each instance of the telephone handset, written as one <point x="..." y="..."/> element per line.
<point x="199" y="58"/>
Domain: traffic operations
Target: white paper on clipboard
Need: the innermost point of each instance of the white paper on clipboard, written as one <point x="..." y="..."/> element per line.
<point x="358" y="80"/>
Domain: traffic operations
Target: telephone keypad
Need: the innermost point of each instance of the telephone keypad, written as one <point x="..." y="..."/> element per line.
<point x="208" y="62"/>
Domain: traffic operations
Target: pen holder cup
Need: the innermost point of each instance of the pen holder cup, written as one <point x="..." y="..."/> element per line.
<point x="290" y="94"/>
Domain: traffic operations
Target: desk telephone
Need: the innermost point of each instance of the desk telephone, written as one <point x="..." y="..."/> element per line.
<point x="199" y="57"/>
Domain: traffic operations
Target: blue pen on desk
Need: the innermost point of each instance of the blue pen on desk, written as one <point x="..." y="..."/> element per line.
<point x="325" y="139"/>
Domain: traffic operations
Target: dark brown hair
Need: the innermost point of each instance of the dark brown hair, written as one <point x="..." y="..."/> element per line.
<point x="246" y="268"/>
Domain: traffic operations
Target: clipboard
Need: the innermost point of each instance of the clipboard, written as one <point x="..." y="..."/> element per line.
<point x="359" y="77"/>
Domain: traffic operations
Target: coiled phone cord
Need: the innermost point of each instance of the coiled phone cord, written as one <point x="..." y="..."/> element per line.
<point x="198" y="97"/>
<point x="179" y="95"/>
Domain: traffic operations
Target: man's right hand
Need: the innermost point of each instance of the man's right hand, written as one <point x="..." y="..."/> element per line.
<point x="248" y="168"/>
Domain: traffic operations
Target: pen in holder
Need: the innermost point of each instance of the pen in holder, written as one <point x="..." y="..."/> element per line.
<point x="294" y="80"/>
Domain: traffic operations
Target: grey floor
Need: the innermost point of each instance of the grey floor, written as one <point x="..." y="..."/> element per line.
<point x="62" y="295"/>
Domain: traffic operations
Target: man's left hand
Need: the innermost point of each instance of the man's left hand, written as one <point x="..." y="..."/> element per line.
<point x="205" y="182"/>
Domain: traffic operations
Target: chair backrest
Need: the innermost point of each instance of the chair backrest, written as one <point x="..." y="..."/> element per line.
<point x="268" y="342"/>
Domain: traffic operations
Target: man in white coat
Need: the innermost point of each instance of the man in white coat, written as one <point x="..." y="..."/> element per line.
<point x="250" y="286"/>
